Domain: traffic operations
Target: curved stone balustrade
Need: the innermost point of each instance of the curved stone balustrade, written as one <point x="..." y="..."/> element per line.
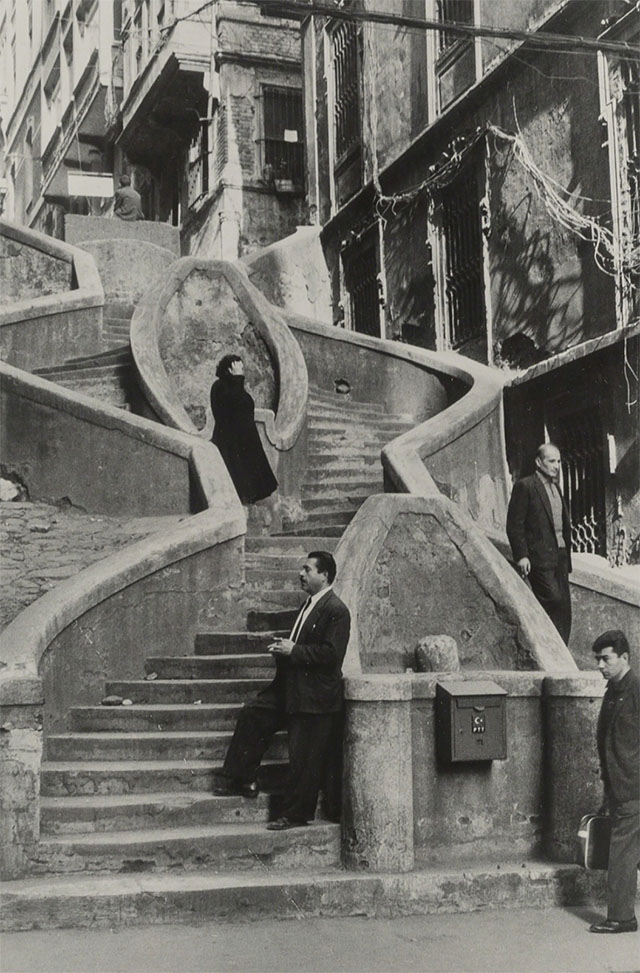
<point x="161" y="325"/>
<point x="67" y="319"/>
<point x="417" y="565"/>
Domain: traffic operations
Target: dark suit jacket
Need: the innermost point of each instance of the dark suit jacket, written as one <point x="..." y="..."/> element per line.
<point x="311" y="677"/>
<point x="530" y="524"/>
<point x="619" y="739"/>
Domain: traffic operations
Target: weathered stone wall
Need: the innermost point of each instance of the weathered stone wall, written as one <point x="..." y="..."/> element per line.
<point x="202" y="322"/>
<point x="427" y="812"/>
<point x="292" y="274"/>
<point x="373" y="374"/>
<point x="157" y="615"/>
<point x="28" y="272"/>
<point x="68" y="453"/>
<point x="128" y="267"/>
<point x="423" y="586"/>
<point x="79" y="229"/>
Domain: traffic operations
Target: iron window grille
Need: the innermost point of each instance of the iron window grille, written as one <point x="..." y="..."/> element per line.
<point x="631" y="108"/>
<point x="361" y="265"/>
<point x="581" y="441"/>
<point x="198" y="172"/>
<point x="347" y="73"/>
<point x="463" y="259"/>
<point x="453" y="11"/>
<point x="283" y="134"/>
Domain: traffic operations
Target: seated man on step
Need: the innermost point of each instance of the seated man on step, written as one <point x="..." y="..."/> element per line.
<point x="305" y="696"/>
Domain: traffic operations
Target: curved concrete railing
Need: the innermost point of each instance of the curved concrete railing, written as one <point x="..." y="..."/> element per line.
<point x="66" y="322"/>
<point x="525" y="637"/>
<point x="284" y="428"/>
<point x="24" y="641"/>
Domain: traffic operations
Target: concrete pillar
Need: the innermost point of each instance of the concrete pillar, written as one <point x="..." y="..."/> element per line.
<point x="378" y="774"/>
<point x="20" y="758"/>
<point x="573" y="787"/>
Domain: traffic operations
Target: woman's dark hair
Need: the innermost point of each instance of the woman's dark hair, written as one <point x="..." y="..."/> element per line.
<point x="614" y="639"/>
<point x="324" y="563"/>
<point x="224" y="365"/>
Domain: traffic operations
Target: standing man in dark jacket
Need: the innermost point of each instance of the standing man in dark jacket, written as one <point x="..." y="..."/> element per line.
<point x="539" y="531"/>
<point x="305" y="696"/>
<point x="619" y="752"/>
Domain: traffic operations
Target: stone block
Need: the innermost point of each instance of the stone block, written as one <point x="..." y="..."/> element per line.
<point x="437" y="653"/>
<point x="20" y="757"/>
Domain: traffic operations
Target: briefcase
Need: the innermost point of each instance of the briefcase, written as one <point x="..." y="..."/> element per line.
<point x="594" y="834"/>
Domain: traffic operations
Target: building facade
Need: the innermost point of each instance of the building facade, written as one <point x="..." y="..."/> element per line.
<point x="202" y="105"/>
<point x="473" y="198"/>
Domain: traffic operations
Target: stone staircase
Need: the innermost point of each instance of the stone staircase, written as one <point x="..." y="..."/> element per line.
<point x="127" y="789"/>
<point x="110" y="374"/>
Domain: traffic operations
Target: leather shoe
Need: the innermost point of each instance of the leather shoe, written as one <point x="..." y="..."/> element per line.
<point x="615" y="925"/>
<point x="234" y="788"/>
<point x="283" y="824"/>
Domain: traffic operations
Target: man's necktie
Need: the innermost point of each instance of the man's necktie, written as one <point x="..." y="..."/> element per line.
<point x="295" y="631"/>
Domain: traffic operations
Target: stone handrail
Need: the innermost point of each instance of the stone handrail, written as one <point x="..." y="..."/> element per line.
<point x="284" y="428"/>
<point x="85" y="288"/>
<point x="538" y="645"/>
<point x="24" y="641"/>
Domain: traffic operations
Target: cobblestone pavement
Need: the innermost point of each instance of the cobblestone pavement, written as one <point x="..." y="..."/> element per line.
<point x="42" y="544"/>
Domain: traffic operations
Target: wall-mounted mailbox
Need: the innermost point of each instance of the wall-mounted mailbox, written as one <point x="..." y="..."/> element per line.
<point x="470" y="721"/>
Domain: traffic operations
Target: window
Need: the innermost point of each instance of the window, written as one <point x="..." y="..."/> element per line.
<point x="198" y="174"/>
<point x="283" y="144"/>
<point x="457" y="12"/>
<point x="347" y="71"/>
<point x="463" y="261"/>
<point x="361" y="266"/>
<point x="631" y="109"/>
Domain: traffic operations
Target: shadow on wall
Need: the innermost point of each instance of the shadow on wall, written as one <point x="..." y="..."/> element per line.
<point x="204" y="321"/>
<point x="546" y="288"/>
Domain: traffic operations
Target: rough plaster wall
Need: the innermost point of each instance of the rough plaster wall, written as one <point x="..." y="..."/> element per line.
<point x="26" y="272"/>
<point x="128" y="267"/>
<point x="479" y="809"/>
<point x="423" y="585"/>
<point x="204" y="321"/>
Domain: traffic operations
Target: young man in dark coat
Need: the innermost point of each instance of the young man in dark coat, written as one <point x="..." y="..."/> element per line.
<point x="305" y="696"/>
<point x="539" y="531"/>
<point x="619" y="751"/>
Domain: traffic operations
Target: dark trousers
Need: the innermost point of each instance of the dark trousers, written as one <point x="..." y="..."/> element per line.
<point x="310" y="735"/>
<point x="624" y="860"/>
<point x="551" y="588"/>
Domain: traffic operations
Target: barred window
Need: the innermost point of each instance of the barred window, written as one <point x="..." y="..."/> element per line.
<point x="346" y="86"/>
<point x="283" y="133"/>
<point x="464" y="269"/>
<point x="457" y="12"/>
<point x="361" y="263"/>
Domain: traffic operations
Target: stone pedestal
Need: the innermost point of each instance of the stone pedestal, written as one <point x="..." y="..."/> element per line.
<point x="572" y="782"/>
<point x="20" y="758"/>
<point x="378" y="798"/>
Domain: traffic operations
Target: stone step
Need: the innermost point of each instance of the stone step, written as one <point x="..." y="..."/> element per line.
<point x="269" y="599"/>
<point x="323" y="426"/>
<point x="241" y="846"/>
<point x="274" y="562"/>
<point x="104" y="374"/>
<point x="106" y="901"/>
<point x="224" y="643"/>
<point x="346" y="482"/>
<point x="119" y="812"/>
<point x="266" y="579"/>
<point x="149" y="745"/>
<point x="260" y="620"/>
<point x="285" y="544"/>
<point x="341" y="502"/>
<point x="349" y="410"/>
<point x="169" y="716"/>
<point x="351" y="458"/>
<point x="75" y="777"/>
<point x="248" y="666"/>
<point x="185" y="690"/>
<point x="120" y="307"/>
<point x="323" y="531"/>
<point x="354" y="476"/>
<point x="337" y="516"/>
<point x="115" y="356"/>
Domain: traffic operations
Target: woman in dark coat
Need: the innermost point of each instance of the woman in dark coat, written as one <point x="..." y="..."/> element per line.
<point x="235" y="433"/>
